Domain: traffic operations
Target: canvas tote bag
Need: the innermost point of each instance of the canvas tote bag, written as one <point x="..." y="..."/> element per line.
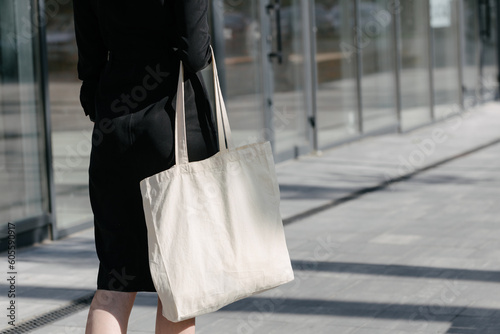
<point x="215" y="233"/>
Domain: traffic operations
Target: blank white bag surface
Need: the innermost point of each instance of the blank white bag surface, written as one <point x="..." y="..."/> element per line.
<point x="230" y="255"/>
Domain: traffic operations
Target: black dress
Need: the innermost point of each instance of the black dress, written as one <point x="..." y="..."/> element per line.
<point x="129" y="53"/>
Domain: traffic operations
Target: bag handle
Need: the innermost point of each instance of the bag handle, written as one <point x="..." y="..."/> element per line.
<point x="223" y="128"/>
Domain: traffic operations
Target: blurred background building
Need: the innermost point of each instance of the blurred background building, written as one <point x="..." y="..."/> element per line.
<point x="306" y="75"/>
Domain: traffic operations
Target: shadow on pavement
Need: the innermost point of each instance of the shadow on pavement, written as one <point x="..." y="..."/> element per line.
<point x="398" y="270"/>
<point x="463" y="319"/>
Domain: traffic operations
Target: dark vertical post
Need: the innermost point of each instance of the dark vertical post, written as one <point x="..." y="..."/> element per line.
<point x="359" y="62"/>
<point x="461" y="53"/>
<point x="47" y="124"/>
<point x="497" y="21"/>
<point x="430" y="34"/>
<point x="267" y="73"/>
<point x="310" y="75"/>
<point x="397" y="47"/>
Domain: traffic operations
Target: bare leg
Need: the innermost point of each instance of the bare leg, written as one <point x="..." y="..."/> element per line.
<point x="164" y="326"/>
<point x="109" y="312"/>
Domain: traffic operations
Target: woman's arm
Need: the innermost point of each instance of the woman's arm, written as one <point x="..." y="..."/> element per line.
<point x="193" y="35"/>
<point x="92" y="53"/>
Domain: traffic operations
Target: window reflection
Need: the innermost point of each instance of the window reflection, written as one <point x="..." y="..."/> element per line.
<point x="446" y="61"/>
<point x="241" y="70"/>
<point x="479" y="85"/>
<point x="21" y="139"/>
<point x="415" y="75"/>
<point x="289" y="99"/>
<point x="377" y="84"/>
<point x="71" y="129"/>
<point x="335" y="63"/>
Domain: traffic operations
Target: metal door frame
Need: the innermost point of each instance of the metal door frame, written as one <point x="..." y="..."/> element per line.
<point x="309" y="71"/>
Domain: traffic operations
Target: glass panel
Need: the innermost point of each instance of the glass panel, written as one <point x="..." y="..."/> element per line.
<point x="21" y="138"/>
<point x="471" y="66"/>
<point x="377" y="87"/>
<point x="290" y="107"/>
<point x="415" y="92"/>
<point x="473" y="84"/>
<point x="71" y="129"/>
<point x="240" y="73"/>
<point x="446" y="76"/>
<point x="489" y="82"/>
<point x="336" y="66"/>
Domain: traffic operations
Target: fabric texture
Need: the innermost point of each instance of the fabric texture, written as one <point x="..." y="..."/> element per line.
<point x="141" y="36"/>
<point x="224" y="213"/>
<point x="128" y="58"/>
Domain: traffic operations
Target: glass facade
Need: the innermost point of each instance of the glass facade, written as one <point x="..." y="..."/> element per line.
<point x="337" y="101"/>
<point x="306" y="75"/>
<point x="415" y="64"/>
<point x="237" y="33"/>
<point x="23" y="149"/>
<point x="446" y="57"/>
<point x="480" y="51"/>
<point x="253" y="82"/>
<point x="377" y="65"/>
<point x="71" y="129"/>
<point x="289" y="94"/>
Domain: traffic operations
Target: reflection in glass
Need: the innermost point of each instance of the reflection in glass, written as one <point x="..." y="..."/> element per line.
<point x="479" y="48"/>
<point x="335" y="63"/>
<point x="21" y="140"/>
<point x="446" y="76"/>
<point x="415" y="76"/>
<point x="378" y="82"/>
<point x="289" y="109"/>
<point x="71" y="129"/>
<point x="240" y="73"/>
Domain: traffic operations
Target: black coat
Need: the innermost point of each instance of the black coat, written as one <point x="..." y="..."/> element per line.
<point x="129" y="55"/>
<point x="129" y="52"/>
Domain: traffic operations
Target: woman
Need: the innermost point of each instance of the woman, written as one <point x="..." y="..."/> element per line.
<point x="129" y="53"/>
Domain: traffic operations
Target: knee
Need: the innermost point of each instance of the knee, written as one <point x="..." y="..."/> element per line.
<point x="105" y="299"/>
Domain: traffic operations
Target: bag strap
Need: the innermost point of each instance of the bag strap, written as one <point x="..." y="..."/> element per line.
<point x="180" y="141"/>
<point x="223" y="128"/>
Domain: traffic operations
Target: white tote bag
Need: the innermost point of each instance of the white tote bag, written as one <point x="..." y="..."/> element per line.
<point x="215" y="233"/>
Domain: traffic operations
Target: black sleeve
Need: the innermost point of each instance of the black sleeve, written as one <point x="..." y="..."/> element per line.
<point x="193" y="33"/>
<point x="92" y="53"/>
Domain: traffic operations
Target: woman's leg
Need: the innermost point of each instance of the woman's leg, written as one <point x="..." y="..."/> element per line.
<point x="109" y="312"/>
<point x="164" y="326"/>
